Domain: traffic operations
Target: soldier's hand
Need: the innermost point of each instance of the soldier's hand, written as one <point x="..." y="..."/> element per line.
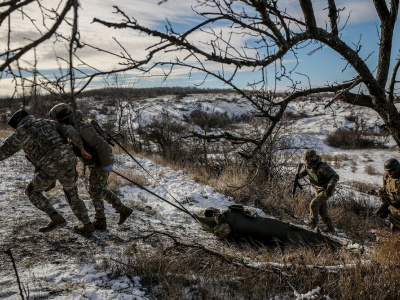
<point x="85" y="154"/>
<point x="329" y="191"/>
<point x="382" y="211"/>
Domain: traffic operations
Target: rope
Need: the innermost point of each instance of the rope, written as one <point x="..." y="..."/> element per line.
<point x="110" y="137"/>
<point x="154" y="194"/>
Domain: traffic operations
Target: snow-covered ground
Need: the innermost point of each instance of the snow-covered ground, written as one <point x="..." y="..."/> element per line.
<point x="57" y="265"/>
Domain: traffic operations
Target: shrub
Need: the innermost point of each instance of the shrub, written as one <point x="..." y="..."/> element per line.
<point x="370" y="170"/>
<point x="362" y="186"/>
<point x="349" y="139"/>
<point x="207" y="120"/>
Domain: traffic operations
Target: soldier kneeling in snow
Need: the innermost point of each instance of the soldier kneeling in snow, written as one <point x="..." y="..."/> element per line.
<point x="390" y="194"/>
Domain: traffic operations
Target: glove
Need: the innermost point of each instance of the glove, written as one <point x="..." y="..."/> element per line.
<point x="109" y="168"/>
<point x="329" y="190"/>
<point x="382" y="211"/>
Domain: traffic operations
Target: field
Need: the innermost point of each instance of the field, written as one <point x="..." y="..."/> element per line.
<point x="162" y="253"/>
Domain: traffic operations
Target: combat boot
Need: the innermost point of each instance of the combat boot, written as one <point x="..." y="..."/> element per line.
<point x="313" y="225"/>
<point x="100" y="224"/>
<point x="86" y="230"/>
<point x="56" y="220"/>
<point x="124" y="213"/>
<point x="328" y="228"/>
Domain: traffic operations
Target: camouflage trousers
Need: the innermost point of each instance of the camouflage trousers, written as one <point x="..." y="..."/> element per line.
<point x="42" y="180"/>
<point x="394" y="218"/>
<point x="99" y="190"/>
<point x="319" y="207"/>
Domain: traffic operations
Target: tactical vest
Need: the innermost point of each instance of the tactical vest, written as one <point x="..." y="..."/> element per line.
<point x="392" y="187"/>
<point x="44" y="138"/>
<point x="313" y="175"/>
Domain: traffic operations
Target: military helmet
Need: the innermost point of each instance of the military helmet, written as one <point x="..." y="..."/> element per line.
<point x="392" y="164"/>
<point x="309" y="154"/>
<point x="60" y="112"/>
<point x="17" y="117"/>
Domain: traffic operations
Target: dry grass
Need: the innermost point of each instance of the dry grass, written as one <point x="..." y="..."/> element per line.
<point x="370" y="170"/>
<point x="116" y="181"/>
<point x="362" y="187"/>
<point x="5" y="130"/>
<point x="183" y="271"/>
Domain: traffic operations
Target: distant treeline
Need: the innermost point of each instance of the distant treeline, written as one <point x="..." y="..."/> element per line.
<point x="135" y="93"/>
<point x="111" y="92"/>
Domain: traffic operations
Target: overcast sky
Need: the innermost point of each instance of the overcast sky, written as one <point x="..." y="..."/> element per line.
<point x="321" y="67"/>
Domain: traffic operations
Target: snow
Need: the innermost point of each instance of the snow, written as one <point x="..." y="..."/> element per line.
<point x="67" y="275"/>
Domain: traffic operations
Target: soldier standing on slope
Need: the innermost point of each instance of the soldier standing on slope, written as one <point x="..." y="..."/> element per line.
<point x="323" y="179"/>
<point x="54" y="160"/>
<point x="100" y="165"/>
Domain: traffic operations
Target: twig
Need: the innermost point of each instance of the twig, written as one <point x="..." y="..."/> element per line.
<point x="356" y="81"/>
<point x="8" y="252"/>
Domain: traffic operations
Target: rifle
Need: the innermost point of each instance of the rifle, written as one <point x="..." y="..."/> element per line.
<point x="296" y="183"/>
<point x="108" y="137"/>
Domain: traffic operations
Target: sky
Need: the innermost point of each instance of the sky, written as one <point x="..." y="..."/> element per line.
<point x="321" y="67"/>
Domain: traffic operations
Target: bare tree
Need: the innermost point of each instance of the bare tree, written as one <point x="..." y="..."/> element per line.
<point x="46" y="28"/>
<point x="274" y="34"/>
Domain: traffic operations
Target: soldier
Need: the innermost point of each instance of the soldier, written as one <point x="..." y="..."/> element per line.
<point x="390" y="194"/>
<point x="100" y="165"/>
<point x="53" y="160"/>
<point x="323" y="179"/>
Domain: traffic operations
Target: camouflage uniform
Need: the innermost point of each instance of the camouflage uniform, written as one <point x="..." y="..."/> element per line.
<point x="102" y="157"/>
<point x="323" y="179"/>
<point x="390" y="195"/>
<point x="53" y="160"/>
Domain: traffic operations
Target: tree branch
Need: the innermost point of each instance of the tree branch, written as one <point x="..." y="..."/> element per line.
<point x="393" y="81"/>
<point x="308" y="12"/>
<point x="385" y="45"/>
<point x="35" y="43"/>
<point x="381" y="9"/>
<point x="333" y="16"/>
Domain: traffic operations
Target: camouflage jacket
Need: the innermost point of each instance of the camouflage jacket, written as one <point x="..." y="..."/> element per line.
<point x="42" y="141"/>
<point x="321" y="175"/>
<point x="390" y="191"/>
<point x="94" y="143"/>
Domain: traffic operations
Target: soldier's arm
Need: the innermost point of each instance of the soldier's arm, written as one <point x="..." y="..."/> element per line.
<point x="95" y="141"/>
<point x="303" y="174"/>
<point x="328" y="172"/>
<point x="13" y="143"/>
<point x="382" y="193"/>
<point x="68" y="131"/>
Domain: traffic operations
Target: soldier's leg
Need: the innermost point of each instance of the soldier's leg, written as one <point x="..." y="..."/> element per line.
<point x="40" y="182"/>
<point x="34" y="191"/>
<point x="68" y="181"/>
<point x="394" y="219"/>
<point x="96" y="190"/>
<point x="314" y="208"/>
<point x="108" y="195"/>
<point x="102" y="180"/>
<point x="323" y="212"/>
